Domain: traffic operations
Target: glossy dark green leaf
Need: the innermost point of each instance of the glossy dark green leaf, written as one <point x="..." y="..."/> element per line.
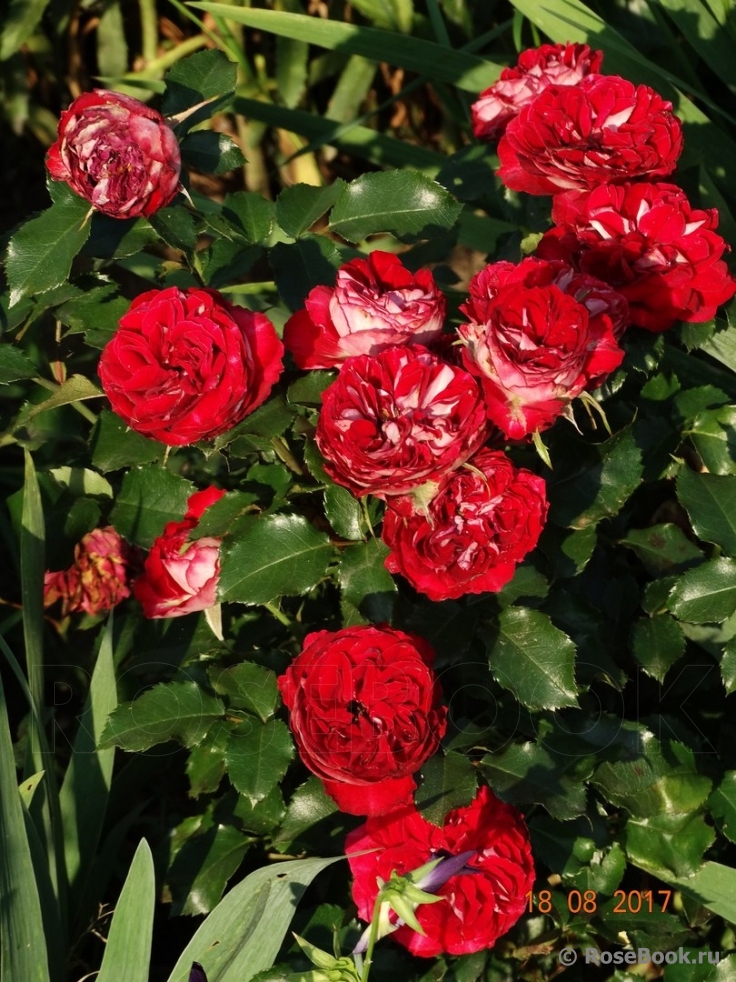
<point x="118" y="238"/>
<point x="533" y="659"/>
<point x="713" y="433"/>
<point x="14" y="364"/>
<point x="669" y="844"/>
<point x="247" y="686"/>
<point x="663" y="549"/>
<point x="220" y="517"/>
<point x="525" y="773"/>
<point x="114" y="446"/>
<point x="199" y="874"/>
<point x="40" y="253"/>
<point x="309" y="805"/>
<point x="206" y="75"/>
<point x="150" y="497"/>
<point x="722" y="805"/>
<point x="368" y="591"/>
<point x="448" y="781"/>
<point x="300" y="266"/>
<point x="273" y="556"/>
<point x="657" y="643"/>
<point x="176" y="227"/>
<point x="710" y="501"/>
<point x="307" y="390"/>
<point x="97" y="312"/>
<point x="257" y="757"/>
<point x="180" y="711"/>
<point x="343" y="512"/>
<point x="567" y="550"/>
<point x="271" y="419"/>
<point x="265" y="816"/>
<point x="705" y="594"/>
<point x="403" y="202"/>
<point x="298" y="207"/>
<point x="206" y="762"/>
<point x="728" y="666"/>
<point x="210" y="152"/>
<point x="250" y="214"/>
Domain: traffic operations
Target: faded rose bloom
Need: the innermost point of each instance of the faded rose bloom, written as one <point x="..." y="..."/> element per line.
<point x="376" y="302"/>
<point x="536" y="69"/>
<point x="481" y="902"/>
<point x="116" y="153"/>
<point x="187" y="365"/>
<point x="364" y="710"/>
<point x="397" y="420"/>
<point x="603" y="130"/>
<point x="180" y="577"/>
<point x="650" y="244"/>
<point x="98" y="578"/>
<point x="535" y="349"/>
<point x="486" y="516"/>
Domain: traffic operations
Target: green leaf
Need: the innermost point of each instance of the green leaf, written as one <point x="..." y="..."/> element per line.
<point x="206" y="75"/>
<point x="466" y="71"/>
<point x="448" y="781"/>
<point x="728" y="666"/>
<point x="713" y="886"/>
<point x="149" y="498"/>
<point x="343" y="512"/>
<point x="403" y="202"/>
<point x="206" y="762"/>
<point x="657" y="643"/>
<point x="14" y="364"/>
<point x="199" y="874"/>
<point x="20" y="21"/>
<point x="250" y="214"/>
<point x="533" y="659"/>
<point x="81" y="481"/>
<point x="273" y="556"/>
<point x="219" y="518"/>
<point x="368" y="591"/>
<point x="97" y="312"/>
<point x="663" y="549"/>
<point x="22" y="939"/>
<point x="76" y="388"/>
<point x="705" y="594"/>
<point x="300" y="266"/>
<point x="128" y="949"/>
<point x="307" y="391"/>
<point x="668" y="844"/>
<point x="114" y="446"/>
<point x="257" y="760"/>
<point x="180" y="711"/>
<point x="713" y="433"/>
<point x="176" y="227"/>
<point x="32" y="566"/>
<point x="244" y="933"/>
<point x="298" y="207"/>
<point x="722" y="805"/>
<point x="309" y="805"/>
<point x="525" y="773"/>
<point x="40" y="253"/>
<point x="211" y="153"/>
<point x="247" y="686"/>
<point x="118" y="238"/>
<point x="710" y="501"/>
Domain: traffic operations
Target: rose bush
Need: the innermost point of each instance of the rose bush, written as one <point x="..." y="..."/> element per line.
<point x="480" y="904"/>
<point x="603" y="130"/>
<point x="364" y="708"/>
<point x="376" y="302"/>
<point x="485" y="517"/>
<point x="98" y="579"/>
<point x="187" y="365"/>
<point x="180" y="576"/>
<point x="394" y="421"/>
<point x="535" y="70"/>
<point x="647" y="241"/>
<point x="116" y="153"/>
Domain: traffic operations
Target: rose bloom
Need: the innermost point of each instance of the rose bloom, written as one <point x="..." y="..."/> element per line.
<point x="536" y="69"/>
<point x="394" y="421"/>
<point x="485" y="518"/>
<point x="648" y="242"/>
<point x="180" y="577"/>
<point x="116" y="153"/>
<point x="187" y="365"/>
<point x="376" y="302"/>
<point x="603" y="130"/>
<point x="535" y="349"/>
<point x="481" y="903"/>
<point x="365" y="714"/>
<point x="98" y="578"/>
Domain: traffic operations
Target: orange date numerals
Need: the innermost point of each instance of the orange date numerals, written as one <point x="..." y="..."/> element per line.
<point x="577" y="902"/>
<point x="634" y="901"/>
<point x="628" y="901"/>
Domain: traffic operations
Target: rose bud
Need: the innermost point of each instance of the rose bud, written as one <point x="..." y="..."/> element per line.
<point x="536" y="70"/>
<point x="650" y="244"/>
<point x="397" y="420"/>
<point x="98" y="578"/>
<point x="186" y="365"/>
<point x="180" y="577"/>
<point x="480" y="903"/>
<point x="376" y="302"/>
<point x="485" y="518"/>
<point x="603" y="130"/>
<point x="364" y="710"/>
<point x="116" y="153"/>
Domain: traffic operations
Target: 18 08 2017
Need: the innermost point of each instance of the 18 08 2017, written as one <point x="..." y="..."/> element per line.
<point x="586" y="902"/>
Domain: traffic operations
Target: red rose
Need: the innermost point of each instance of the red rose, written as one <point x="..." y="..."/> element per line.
<point x="98" y="578"/>
<point x="116" y="153"/>
<point x="180" y="577"/>
<point x="364" y="710"/>
<point x="394" y="421"/>
<point x="535" y="349"/>
<point x="186" y="365"/>
<point x="604" y="129"/>
<point x="375" y="303"/>
<point x="479" y="906"/>
<point x="536" y="69"/>
<point x="648" y="242"/>
<point x="484" y="519"/>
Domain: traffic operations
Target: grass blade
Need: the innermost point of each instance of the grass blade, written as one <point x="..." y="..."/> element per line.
<point x="32" y="565"/>
<point x="128" y="950"/>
